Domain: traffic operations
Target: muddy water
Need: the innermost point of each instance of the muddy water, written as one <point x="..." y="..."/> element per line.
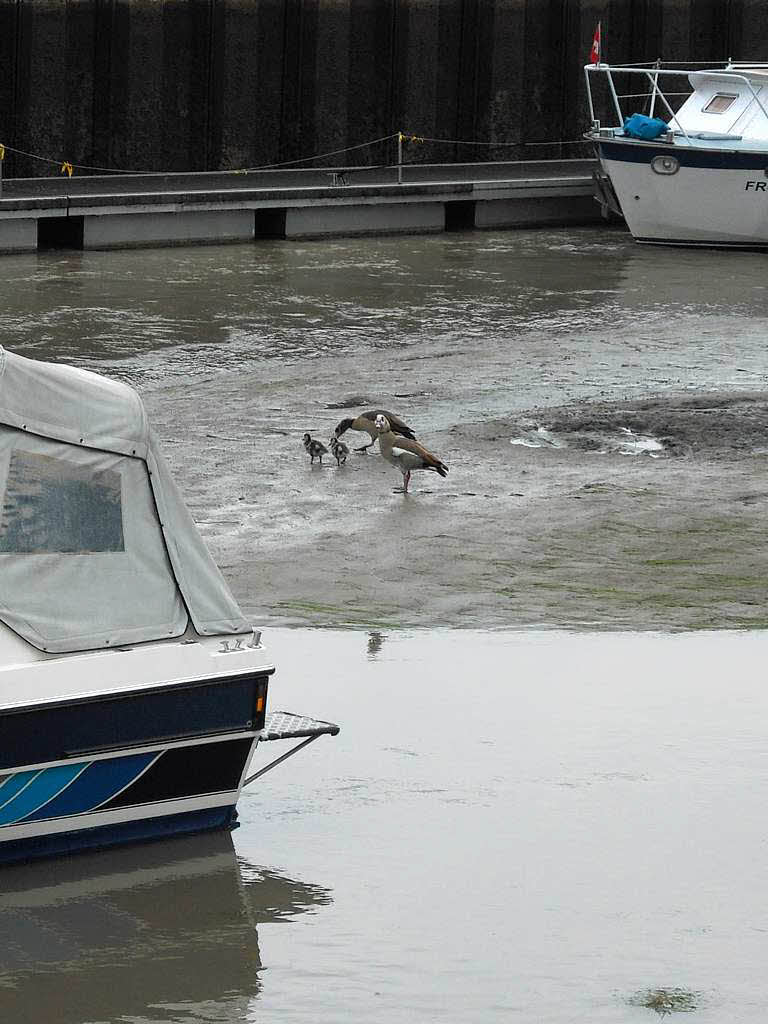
<point x="529" y="301"/>
<point x="543" y="826"/>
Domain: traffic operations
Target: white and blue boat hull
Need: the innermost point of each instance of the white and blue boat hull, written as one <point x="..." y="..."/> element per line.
<point x="714" y="197"/>
<point x="165" y="772"/>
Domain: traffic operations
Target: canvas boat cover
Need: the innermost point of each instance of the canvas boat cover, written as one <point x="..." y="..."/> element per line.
<point x="97" y="548"/>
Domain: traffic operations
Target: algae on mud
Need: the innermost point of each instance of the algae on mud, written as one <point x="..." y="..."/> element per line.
<point x="667" y="1000"/>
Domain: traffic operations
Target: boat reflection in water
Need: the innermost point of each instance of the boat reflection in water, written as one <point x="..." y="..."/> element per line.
<point x="169" y="926"/>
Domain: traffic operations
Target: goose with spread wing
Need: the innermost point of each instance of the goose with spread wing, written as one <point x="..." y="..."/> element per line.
<point x="405" y="453"/>
<point x="366" y="423"/>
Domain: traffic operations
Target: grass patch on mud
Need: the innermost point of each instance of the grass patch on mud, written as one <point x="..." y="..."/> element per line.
<point x="665" y="1001"/>
<point x="337" y="616"/>
<point x="663" y="563"/>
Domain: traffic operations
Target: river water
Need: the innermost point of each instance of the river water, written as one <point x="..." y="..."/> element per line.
<point x="526" y="300"/>
<point x="531" y="825"/>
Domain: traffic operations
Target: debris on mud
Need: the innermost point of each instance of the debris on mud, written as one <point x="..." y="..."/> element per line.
<point x="351" y="402"/>
<point x="711" y="424"/>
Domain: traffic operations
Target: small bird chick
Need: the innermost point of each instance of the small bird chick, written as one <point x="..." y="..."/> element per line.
<point x="339" y="451"/>
<point x="316" y="449"/>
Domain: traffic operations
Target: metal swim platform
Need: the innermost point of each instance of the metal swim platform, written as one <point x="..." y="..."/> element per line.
<point x="283" y="725"/>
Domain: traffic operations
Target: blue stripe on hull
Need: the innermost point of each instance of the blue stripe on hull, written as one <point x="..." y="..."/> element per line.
<point x="60" y="791"/>
<point x="46" y="785"/>
<point x="35" y="847"/>
<point x="95" y="785"/>
<point x="643" y="153"/>
<point x="14" y="784"/>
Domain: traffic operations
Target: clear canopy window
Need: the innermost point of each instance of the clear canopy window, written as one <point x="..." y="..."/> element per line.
<point x="720" y="102"/>
<point x="81" y="550"/>
<point x="54" y="505"/>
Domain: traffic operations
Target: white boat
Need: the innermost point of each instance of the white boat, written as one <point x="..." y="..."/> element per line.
<point x="699" y="177"/>
<point x="133" y="691"/>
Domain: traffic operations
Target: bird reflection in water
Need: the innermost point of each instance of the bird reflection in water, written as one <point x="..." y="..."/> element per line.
<point x="375" y="642"/>
<point x="112" y="935"/>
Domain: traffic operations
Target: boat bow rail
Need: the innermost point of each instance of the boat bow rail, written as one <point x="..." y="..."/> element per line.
<point x="734" y="100"/>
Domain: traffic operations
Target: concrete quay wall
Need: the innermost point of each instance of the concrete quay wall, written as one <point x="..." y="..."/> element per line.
<point x="196" y="85"/>
<point x="131" y="212"/>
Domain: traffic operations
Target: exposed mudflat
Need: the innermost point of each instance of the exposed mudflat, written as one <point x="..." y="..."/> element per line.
<point x="642" y="513"/>
<point x="601" y="405"/>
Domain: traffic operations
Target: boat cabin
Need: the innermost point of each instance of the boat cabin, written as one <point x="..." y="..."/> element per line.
<point x="708" y="106"/>
<point x="97" y="548"/>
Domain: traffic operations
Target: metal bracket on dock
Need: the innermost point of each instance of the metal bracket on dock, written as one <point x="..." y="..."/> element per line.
<point x="605" y="195"/>
<point x="282" y="725"/>
<point x="338" y="178"/>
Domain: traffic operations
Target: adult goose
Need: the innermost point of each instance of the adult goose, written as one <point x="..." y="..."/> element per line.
<point x="405" y="453"/>
<point x="366" y="423"/>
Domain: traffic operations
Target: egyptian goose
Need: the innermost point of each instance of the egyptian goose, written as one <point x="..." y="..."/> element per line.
<point x="339" y="451"/>
<point x="366" y="422"/>
<point x="405" y="453"/>
<point x="316" y="449"/>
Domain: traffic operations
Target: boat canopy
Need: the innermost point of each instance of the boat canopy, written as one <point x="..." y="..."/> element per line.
<point x="97" y="548"/>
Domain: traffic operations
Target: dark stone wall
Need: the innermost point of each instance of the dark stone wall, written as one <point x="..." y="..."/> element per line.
<point x="177" y="85"/>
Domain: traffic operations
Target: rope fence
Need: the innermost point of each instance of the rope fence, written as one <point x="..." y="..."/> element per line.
<point x="69" y="167"/>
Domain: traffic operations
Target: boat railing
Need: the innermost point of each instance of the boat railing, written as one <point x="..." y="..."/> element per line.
<point x="652" y="73"/>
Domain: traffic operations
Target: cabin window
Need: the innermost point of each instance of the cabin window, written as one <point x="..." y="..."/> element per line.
<point x="54" y="505"/>
<point x="720" y="102"/>
<point x="83" y="561"/>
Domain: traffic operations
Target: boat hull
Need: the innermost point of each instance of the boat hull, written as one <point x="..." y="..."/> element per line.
<point x="174" y="763"/>
<point x="144" y="829"/>
<point x="716" y="198"/>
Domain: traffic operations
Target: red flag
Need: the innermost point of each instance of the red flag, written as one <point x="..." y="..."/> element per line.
<point x="594" y="55"/>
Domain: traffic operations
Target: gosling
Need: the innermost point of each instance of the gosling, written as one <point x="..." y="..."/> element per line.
<point x="316" y="449"/>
